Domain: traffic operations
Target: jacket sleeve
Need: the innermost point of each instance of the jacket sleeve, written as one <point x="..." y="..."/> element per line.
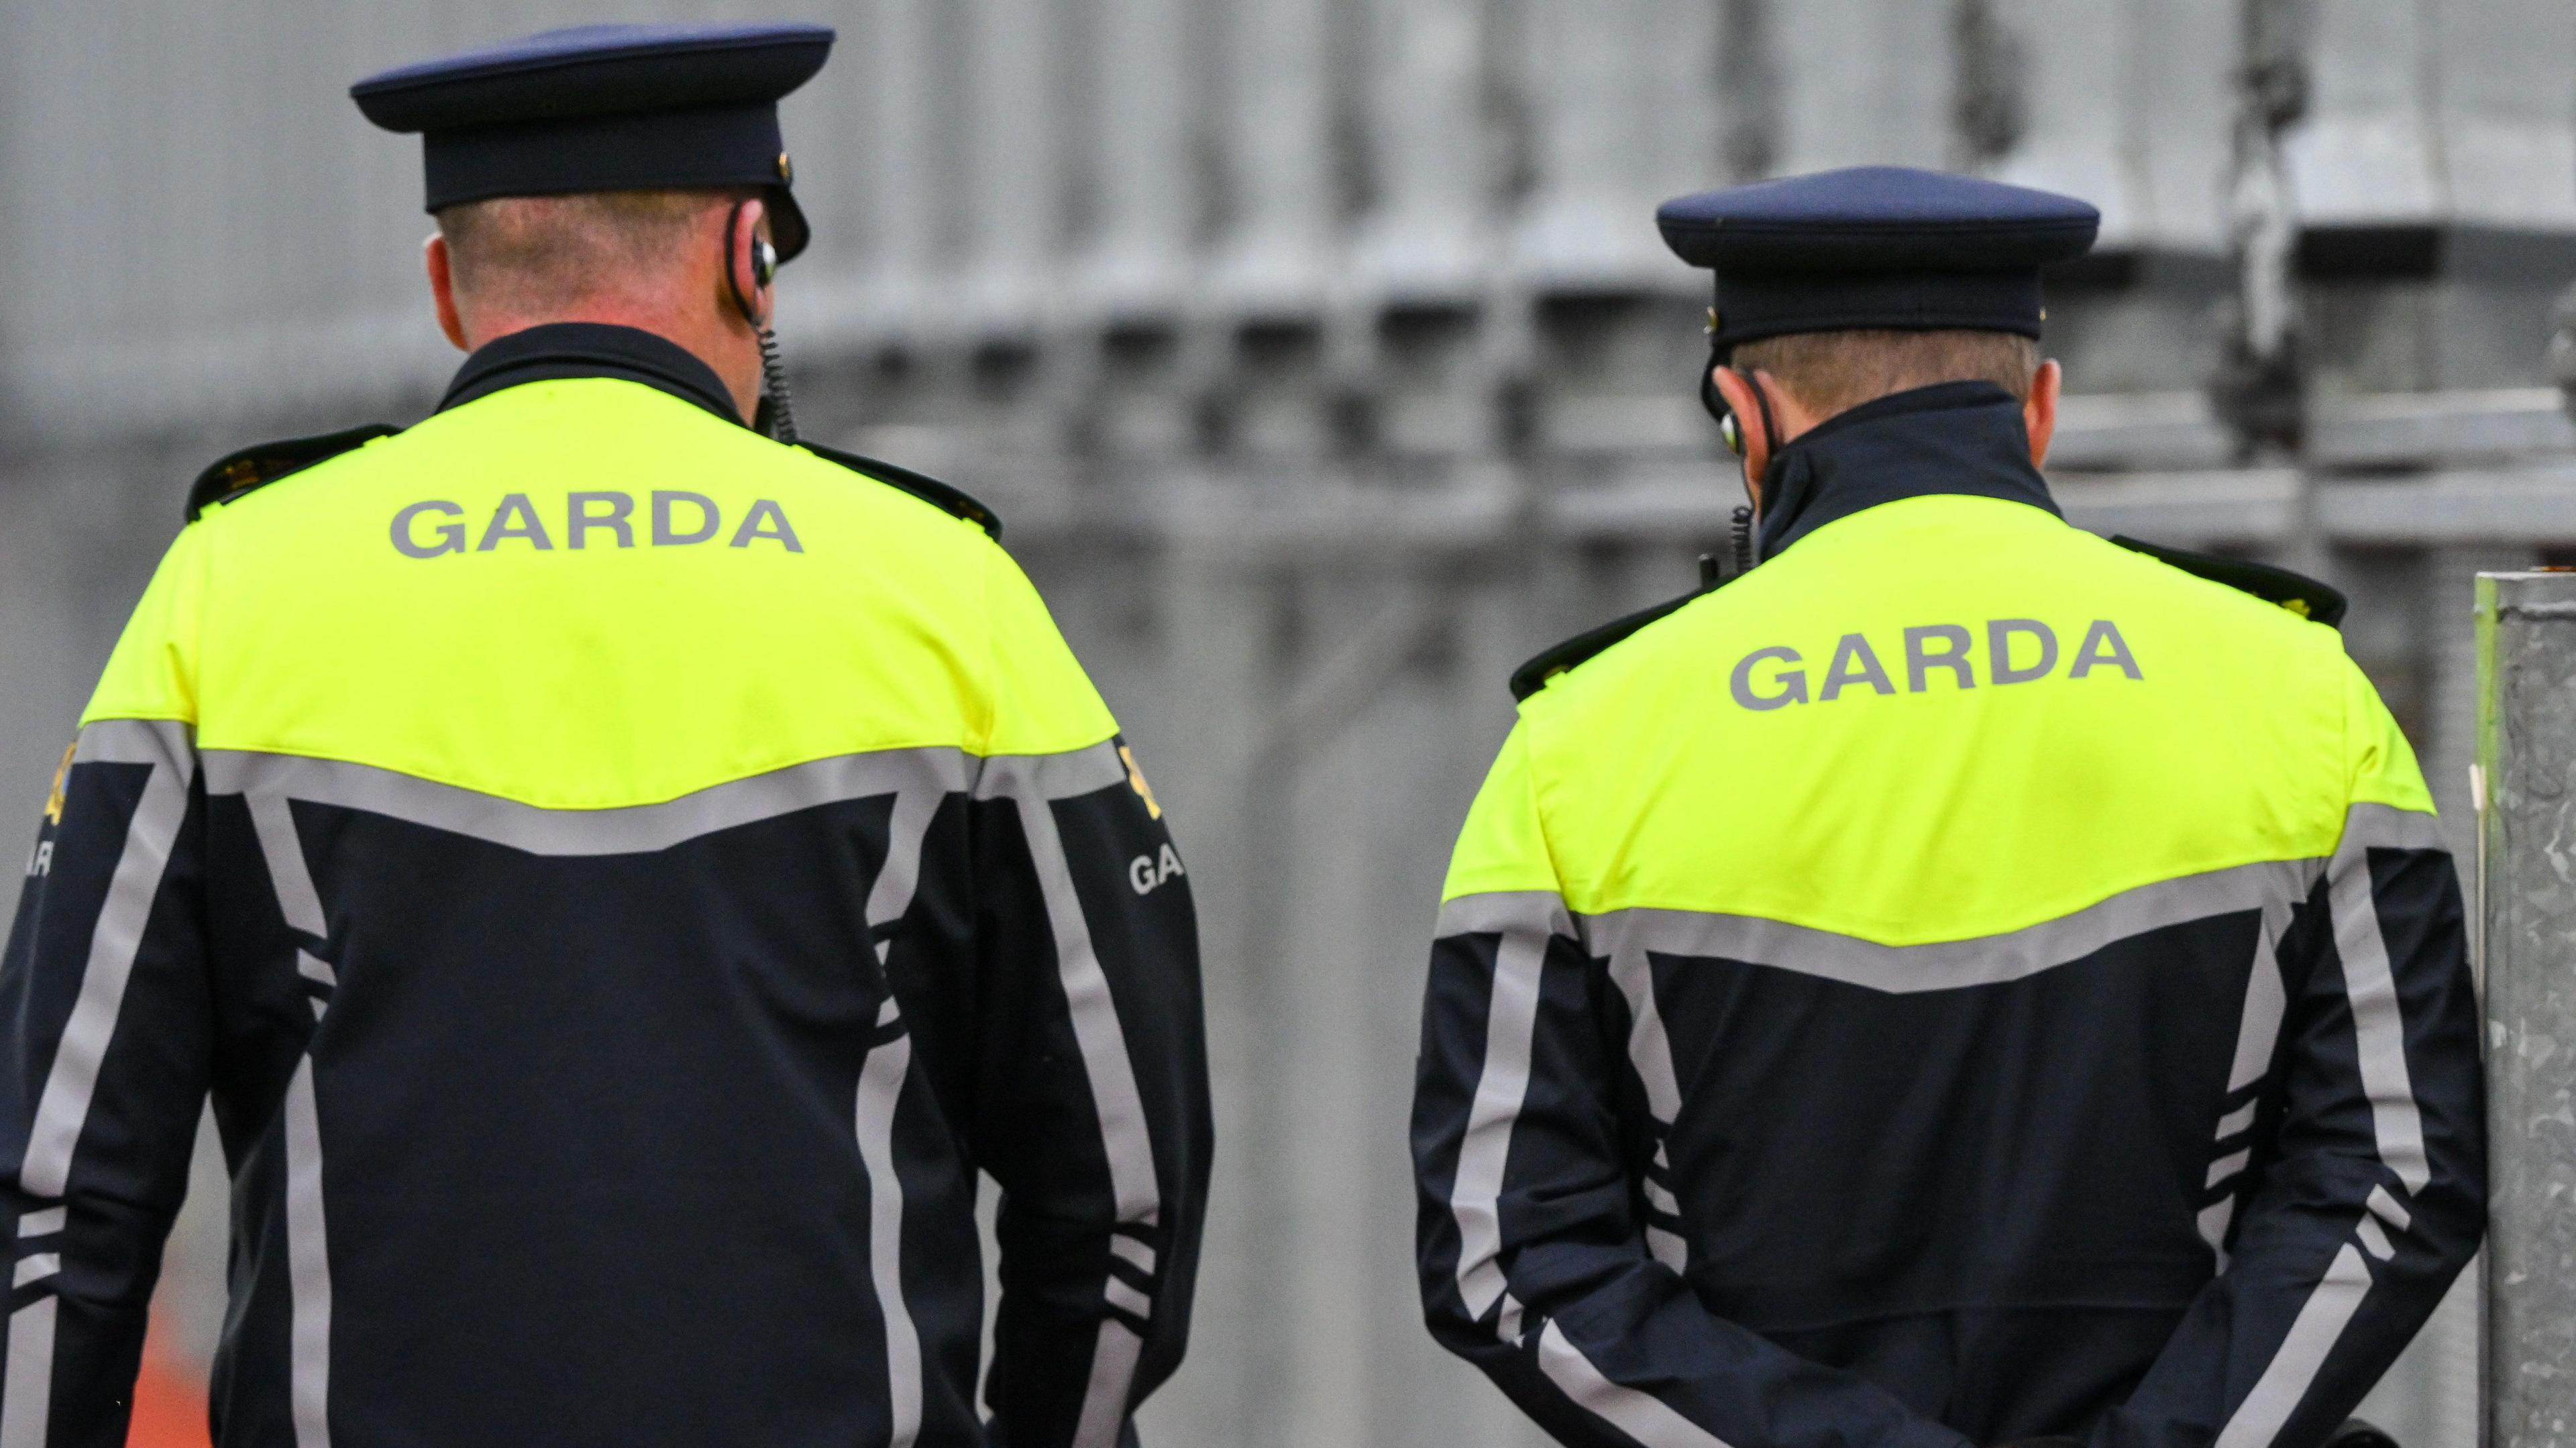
<point x="1092" y="1102"/>
<point x="105" y="1031"/>
<point x="2364" y="1182"/>
<point x="1542" y="1248"/>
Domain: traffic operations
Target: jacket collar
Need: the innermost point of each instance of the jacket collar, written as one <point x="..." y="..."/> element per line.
<point x="1953" y="437"/>
<point x="589" y="349"/>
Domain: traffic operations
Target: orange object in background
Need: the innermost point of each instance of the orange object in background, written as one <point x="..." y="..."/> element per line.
<point x="169" y="1397"/>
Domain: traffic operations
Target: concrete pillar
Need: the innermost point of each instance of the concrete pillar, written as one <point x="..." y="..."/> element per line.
<point x="1428" y="237"/>
<point x="905" y="186"/>
<point x="1863" y="82"/>
<point x="2507" y="138"/>
<point x="1624" y="116"/>
<point x="2126" y="105"/>
<point x="2366" y="153"/>
<point x="1275" y="123"/>
<point x="1145" y="197"/>
<point x="2526" y="915"/>
<point x="1014" y="189"/>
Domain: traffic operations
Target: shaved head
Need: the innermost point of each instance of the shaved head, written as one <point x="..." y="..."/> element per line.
<point x="1831" y="372"/>
<point x="525" y="254"/>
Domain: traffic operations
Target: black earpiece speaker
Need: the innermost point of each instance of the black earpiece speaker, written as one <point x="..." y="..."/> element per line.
<point x="764" y="266"/>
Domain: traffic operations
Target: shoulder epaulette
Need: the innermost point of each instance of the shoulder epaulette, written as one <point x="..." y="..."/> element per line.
<point x="955" y="501"/>
<point x="1531" y="677"/>
<point x="255" y="467"/>
<point x="2309" y="599"/>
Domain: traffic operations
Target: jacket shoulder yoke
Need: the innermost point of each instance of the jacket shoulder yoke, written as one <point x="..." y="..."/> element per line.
<point x="956" y="502"/>
<point x="1533" y="676"/>
<point x="2307" y="597"/>
<point x="257" y="466"/>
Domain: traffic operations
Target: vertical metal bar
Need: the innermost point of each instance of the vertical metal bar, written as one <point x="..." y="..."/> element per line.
<point x="2527" y="905"/>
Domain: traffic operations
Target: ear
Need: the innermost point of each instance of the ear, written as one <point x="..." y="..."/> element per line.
<point x="1737" y="389"/>
<point x="747" y="290"/>
<point x="442" y="290"/>
<point x="2039" y="414"/>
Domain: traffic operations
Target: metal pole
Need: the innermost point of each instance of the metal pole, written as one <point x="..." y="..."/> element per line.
<point x="2527" y="913"/>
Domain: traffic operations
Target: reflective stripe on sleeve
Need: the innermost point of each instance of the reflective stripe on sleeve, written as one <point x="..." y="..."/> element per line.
<point x="1525" y="920"/>
<point x="1641" y="1416"/>
<point x="2294" y="1368"/>
<point x="1031" y="783"/>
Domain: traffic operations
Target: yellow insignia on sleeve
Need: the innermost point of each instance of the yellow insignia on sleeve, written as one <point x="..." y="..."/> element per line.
<point x="54" y="797"/>
<point x="1136" y="782"/>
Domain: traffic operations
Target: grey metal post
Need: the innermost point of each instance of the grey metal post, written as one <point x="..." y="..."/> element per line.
<point x="2527" y="922"/>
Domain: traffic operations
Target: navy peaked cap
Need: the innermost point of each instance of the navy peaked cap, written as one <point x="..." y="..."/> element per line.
<point x="1876" y="247"/>
<point x="608" y="108"/>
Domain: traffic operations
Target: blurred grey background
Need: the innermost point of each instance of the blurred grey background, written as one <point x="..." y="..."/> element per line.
<point x="1323" y="361"/>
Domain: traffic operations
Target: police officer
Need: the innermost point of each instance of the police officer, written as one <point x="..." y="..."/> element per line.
<point x="620" y="878"/>
<point x="1963" y="980"/>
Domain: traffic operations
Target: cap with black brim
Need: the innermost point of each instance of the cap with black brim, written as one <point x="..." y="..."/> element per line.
<point x="608" y="108"/>
<point x="1876" y="247"/>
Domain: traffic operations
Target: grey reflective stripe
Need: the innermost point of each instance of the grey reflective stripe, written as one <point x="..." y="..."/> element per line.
<point x="308" y="1265"/>
<point x="2293" y="1370"/>
<point x="27" y="1386"/>
<point x="273" y="820"/>
<point x="880" y="1095"/>
<point x="2379" y="1032"/>
<point x="906" y="828"/>
<point x="1949" y="964"/>
<point x="150" y="836"/>
<point x="1650" y="1054"/>
<point x="1104" y="1400"/>
<point x="1642" y="1416"/>
<point x="1526" y="920"/>
<point x="2267" y="998"/>
<point x="635" y="829"/>
<point x="1649" y="1049"/>
<point x="2258" y="1035"/>
<point x="880" y="1090"/>
<point x="2386" y="827"/>
<point x="1504" y="910"/>
<point x="1051" y="776"/>
<point x="1031" y="782"/>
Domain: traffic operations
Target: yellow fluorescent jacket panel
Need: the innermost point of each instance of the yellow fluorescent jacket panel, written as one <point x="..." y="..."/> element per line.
<point x="589" y="594"/>
<point x="1936" y="719"/>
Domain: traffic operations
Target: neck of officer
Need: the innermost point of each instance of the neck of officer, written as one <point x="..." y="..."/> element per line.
<point x="715" y="335"/>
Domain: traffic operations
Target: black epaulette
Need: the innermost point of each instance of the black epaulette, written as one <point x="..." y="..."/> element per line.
<point x="1531" y="677"/>
<point x="954" y="501"/>
<point x="257" y="467"/>
<point x="2309" y="599"/>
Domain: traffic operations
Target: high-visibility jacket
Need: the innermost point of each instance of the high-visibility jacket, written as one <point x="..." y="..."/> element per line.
<point x="620" y="880"/>
<point x="1961" y="981"/>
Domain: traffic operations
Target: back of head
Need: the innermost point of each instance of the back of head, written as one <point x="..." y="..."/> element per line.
<point x="535" y="255"/>
<point x="1831" y="372"/>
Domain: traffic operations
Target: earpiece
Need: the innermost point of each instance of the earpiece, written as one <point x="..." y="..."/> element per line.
<point x="1731" y="433"/>
<point x="776" y="417"/>
<point x="764" y="266"/>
